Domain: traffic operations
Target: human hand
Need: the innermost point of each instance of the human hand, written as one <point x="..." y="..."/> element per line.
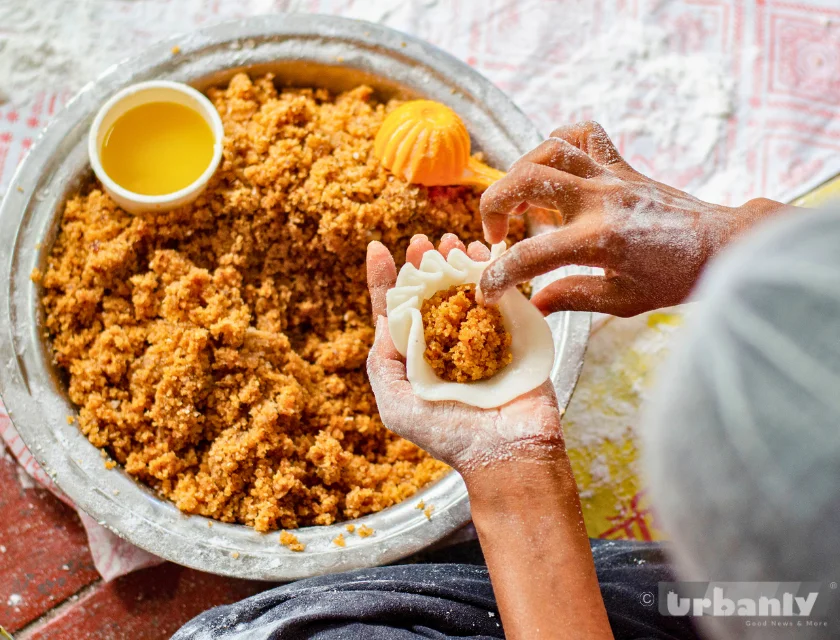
<point x="464" y="437"/>
<point x="523" y="496"/>
<point x="651" y="240"/>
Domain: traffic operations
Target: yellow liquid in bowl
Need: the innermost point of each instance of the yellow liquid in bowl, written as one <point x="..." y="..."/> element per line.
<point x="157" y="148"/>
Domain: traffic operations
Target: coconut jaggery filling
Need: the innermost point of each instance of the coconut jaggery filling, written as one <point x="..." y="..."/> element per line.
<point x="465" y="341"/>
<point x="217" y="351"/>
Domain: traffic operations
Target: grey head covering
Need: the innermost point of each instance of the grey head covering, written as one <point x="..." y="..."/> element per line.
<point x="742" y="437"/>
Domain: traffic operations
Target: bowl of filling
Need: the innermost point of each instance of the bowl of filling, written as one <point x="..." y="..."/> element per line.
<point x="194" y="378"/>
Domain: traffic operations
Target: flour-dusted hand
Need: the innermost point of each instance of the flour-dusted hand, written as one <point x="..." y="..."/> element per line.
<point x="523" y="496"/>
<point x="651" y="240"/>
<point x="462" y="436"/>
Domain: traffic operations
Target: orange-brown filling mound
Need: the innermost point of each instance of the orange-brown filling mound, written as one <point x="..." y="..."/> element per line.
<point x="465" y="341"/>
<point x="217" y="351"/>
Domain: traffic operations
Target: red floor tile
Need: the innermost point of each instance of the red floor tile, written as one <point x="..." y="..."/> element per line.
<point x="149" y="604"/>
<point x="44" y="560"/>
<point x="44" y="556"/>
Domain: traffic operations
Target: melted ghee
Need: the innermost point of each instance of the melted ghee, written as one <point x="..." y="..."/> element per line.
<point x="157" y="148"/>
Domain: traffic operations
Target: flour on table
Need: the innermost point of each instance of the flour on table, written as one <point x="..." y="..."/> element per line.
<point x="617" y="378"/>
<point x="632" y="69"/>
<point x="52" y="44"/>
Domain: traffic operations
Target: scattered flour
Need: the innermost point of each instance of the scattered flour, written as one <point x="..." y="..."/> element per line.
<point x="664" y="104"/>
<point x="633" y="68"/>
<point x="617" y="378"/>
<point x="600" y="470"/>
<point x="60" y="44"/>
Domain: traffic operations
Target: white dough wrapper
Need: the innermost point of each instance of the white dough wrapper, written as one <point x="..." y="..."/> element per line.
<point x="531" y="345"/>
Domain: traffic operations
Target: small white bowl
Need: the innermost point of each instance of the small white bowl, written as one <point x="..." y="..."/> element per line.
<point x="134" y="96"/>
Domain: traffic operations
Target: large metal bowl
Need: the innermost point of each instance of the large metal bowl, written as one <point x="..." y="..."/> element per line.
<point x="301" y="50"/>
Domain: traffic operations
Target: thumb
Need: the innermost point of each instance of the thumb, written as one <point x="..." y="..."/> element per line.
<point x="582" y="293"/>
<point x="385" y="366"/>
<point x="381" y="276"/>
